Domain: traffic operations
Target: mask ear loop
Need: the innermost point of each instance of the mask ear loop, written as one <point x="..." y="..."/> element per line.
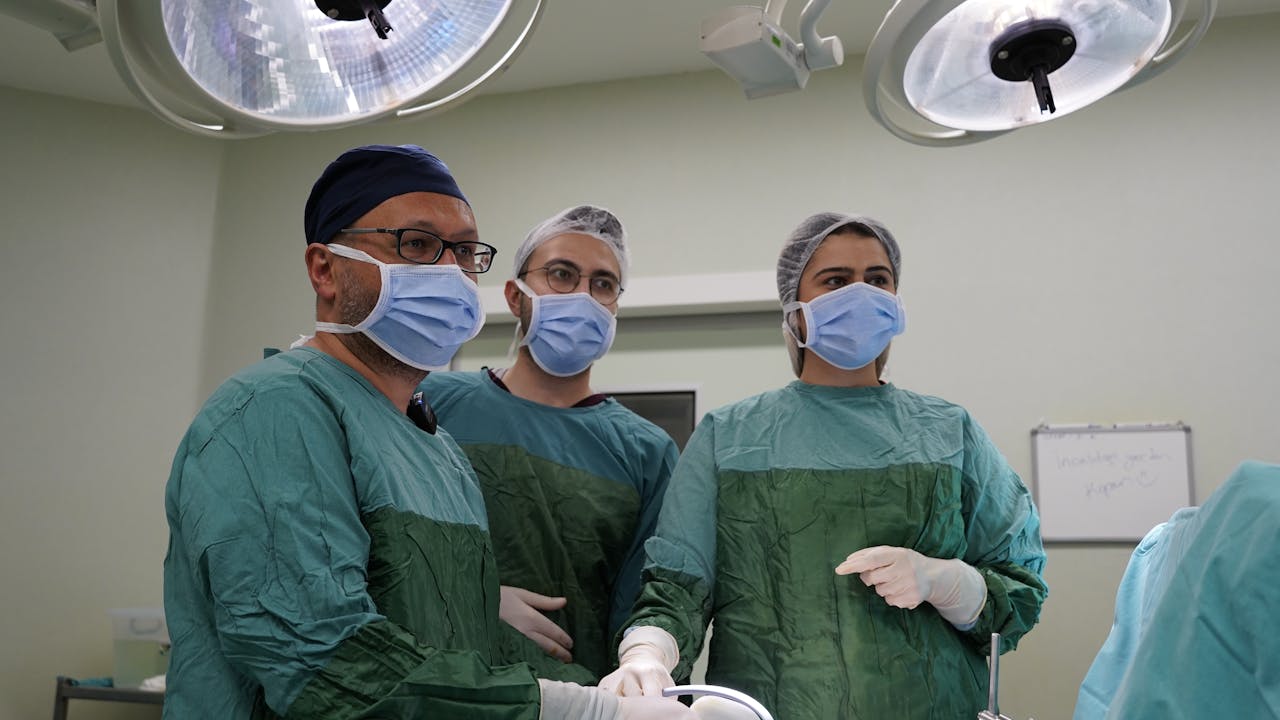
<point x="519" y="338"/>
<point x="789" y="324"/>
<point x="384" y="292"/>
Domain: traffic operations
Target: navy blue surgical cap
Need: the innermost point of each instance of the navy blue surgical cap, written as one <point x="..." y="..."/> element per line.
<point x="365" y="177"/>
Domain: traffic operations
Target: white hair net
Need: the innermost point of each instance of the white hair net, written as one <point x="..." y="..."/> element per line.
<point x="806" y="238"/>
<point x="591" y="220"/>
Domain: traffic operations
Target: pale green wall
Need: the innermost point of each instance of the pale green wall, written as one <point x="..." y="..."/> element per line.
<point x="104" y="277"/>
<point x="1114" y="265"/>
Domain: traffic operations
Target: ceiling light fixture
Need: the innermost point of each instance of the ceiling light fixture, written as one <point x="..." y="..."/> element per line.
<point x="240" y="68"/>
<point x="749" y="44"/>
<point x="951" y="72"/>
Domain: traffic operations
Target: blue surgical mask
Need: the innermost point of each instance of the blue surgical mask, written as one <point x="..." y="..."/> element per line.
<point x="423" y="315"/>
<point x="567" y="332"/>
<point x="849" y="327"/>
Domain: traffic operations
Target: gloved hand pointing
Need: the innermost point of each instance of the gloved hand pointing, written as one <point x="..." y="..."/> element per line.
<point x="521" y="609"/>
<point x="646" y="657"/>
<point x="905" y="578"/>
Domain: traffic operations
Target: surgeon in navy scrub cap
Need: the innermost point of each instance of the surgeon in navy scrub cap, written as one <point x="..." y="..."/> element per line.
<point x="329" y="555"/>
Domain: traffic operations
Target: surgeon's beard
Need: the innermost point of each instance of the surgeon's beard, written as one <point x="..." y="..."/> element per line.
<point x="358" y="300"/>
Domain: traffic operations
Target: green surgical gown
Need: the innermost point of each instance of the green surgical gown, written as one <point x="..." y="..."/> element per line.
<point x="328" y="559"/>
<point x="572" y="494"/>
<point x="774" y="491"/>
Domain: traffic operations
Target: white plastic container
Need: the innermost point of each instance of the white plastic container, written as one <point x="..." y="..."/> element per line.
<point x="141" y="645"/>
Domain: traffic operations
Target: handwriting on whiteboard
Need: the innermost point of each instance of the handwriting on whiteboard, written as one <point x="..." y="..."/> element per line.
<point x="1130" y="470"/>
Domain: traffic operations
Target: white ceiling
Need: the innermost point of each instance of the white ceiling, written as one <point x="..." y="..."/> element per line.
<point x="578" y="41"/>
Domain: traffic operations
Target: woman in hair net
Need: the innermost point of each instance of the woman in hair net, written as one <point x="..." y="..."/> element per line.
<point x="855" y="543"/>
<point x="572" y="479"/>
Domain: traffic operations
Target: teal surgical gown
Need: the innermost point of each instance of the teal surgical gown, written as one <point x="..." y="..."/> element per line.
<point x="1212" y="644"/>
<point x="1145" y="579"/>
<point x="773" y="492"/>
<point x="328" y="559"/>
<point x="572" y="494"/>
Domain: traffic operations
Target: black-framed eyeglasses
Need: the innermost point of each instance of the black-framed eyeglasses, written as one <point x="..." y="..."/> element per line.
<point x="424" y="248"/>
<point x="564" y="278"/>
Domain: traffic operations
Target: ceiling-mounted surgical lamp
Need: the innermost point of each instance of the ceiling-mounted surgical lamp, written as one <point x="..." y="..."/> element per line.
<point x="949" y="72"/>
<point x="236" y="68"/>
<point x="239" y="68"/>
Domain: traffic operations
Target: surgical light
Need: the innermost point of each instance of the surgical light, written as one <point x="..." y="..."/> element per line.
<point x="960" y="71"/>
<point x="948" y="72"/>
<point x="238" y="68"/>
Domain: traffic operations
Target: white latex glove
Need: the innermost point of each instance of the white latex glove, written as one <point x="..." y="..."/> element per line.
<point x="646" y="657"/>
<point x="570" y="701"/>
<point x="567" y="701"/>
<point x="905" y="578"/>
<point x="710" y="707"/>
<point x="521" y="609"/>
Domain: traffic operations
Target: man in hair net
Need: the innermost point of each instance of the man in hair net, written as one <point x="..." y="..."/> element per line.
<point x="855" y="543"/>
<point x="1195" y="633"/>
<point x="572" y="479"/>
<point x="329" y="555"/>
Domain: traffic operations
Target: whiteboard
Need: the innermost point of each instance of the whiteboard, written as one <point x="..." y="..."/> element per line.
<point x="1109" y="483"/>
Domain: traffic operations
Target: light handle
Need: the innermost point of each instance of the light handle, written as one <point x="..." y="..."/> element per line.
<point x="723" y="692"/>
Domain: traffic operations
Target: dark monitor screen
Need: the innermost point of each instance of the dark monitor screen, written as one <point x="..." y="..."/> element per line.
<point x="673" y="411"/>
